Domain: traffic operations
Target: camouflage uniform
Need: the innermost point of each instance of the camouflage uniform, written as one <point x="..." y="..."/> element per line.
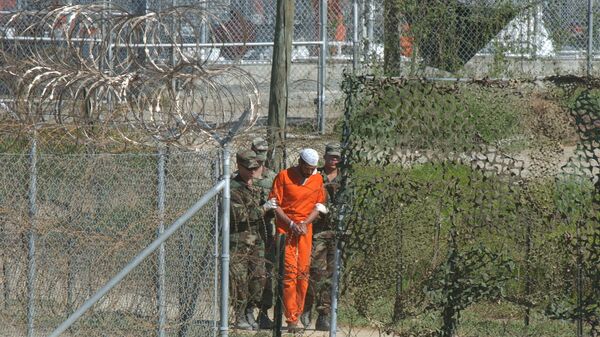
<point x="267" y="235"/>
<point x="322" y="260"/>
<point x="265" y="182"/>
<point x="247" y="271"/>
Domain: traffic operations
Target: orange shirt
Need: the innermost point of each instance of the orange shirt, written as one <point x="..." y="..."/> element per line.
<point x="296" y="196"/>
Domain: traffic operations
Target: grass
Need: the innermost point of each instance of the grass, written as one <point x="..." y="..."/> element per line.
<point x="371" y="277"/>
<point x="497" y="319"/>
<point x="504" y="319"/>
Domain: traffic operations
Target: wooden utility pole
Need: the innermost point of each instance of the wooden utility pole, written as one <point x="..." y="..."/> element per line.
<point x="278" y="94"/>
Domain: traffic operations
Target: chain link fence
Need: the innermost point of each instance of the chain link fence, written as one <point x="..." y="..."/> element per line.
<point x="75" y="215"/>
<point x="463" y="210"/>
<point x="88" y="215"/>
<point x="71" y="219"/>
<point x="510" y="39"/>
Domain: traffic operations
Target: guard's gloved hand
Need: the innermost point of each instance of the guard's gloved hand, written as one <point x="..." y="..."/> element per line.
<point x="270" y="204"/>
<point x="321" y="208"/>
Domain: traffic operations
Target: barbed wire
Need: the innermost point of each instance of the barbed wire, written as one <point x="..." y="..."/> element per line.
<point x="137" y="77"/>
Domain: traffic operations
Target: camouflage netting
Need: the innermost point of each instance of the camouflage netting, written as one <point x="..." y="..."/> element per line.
<point x="471" y="193"/>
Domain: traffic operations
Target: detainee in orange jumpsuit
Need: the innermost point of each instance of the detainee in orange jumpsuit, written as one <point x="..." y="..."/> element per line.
<point x="300" y="195"/>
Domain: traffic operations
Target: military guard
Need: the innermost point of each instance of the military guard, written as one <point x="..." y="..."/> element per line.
<point x="265" y="182"/>
<point x="248" y="214"/>
<point x="322" y="264"/>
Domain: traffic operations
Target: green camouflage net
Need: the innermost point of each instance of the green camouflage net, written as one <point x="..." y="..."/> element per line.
<point x="471" y="199"/>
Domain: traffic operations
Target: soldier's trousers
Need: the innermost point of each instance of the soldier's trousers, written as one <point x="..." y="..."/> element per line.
<point x="270" y="253"/>
<point x="246" y="270"/>
<point x="321" y="272"/>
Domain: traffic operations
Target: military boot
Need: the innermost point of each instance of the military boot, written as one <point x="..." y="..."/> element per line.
<point x="250" y="318"/>
<point x="264" y="322"/>
<point x="241" y="321"/>
<point x="306" y="318"/>
<point x="322" y="323"/>
<point x="294" y="328"/>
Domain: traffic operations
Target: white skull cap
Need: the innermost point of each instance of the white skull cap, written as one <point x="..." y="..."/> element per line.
<point x="310" y="156"/>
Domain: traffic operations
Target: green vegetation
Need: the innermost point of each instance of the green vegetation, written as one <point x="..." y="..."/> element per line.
<point x="493" y="319"/>
<point x="447" y="236"/>
<point x="394" y="115"/>
<point x="421" y="244"/>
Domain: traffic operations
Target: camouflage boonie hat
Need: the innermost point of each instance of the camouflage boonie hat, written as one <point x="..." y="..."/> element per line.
<point x="333" y="149"/>
<point x="259" y="144"/>
<point x="247" y="159"/>
<point x="261" y="156"/>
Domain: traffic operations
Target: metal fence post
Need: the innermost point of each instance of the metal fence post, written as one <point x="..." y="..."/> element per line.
<point x="5" y="273"/>
<point x="322" y="67"/>
<point x="225" y="245"/>
<point x="71" y="276"/>
<point x="370" y="18"/>
<point x="340" y="221"/>
<point x="278" y="309"/>
<point x="528" y="281"/>
<point x="161" y="249"/>
<point x="216" y="174"/>
<point x="204" y="36"/>
<point x="336" y="275"/>
<point x="355" y="44"/>
<point x="590" y="36"/>
<point x="579" y="278"/>
<point x="173" y="60"/>
<point x="534" y="46"/>
<point x="32" y="235"/>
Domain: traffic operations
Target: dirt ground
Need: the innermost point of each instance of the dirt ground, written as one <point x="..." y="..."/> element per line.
<point x="342" y="331"/>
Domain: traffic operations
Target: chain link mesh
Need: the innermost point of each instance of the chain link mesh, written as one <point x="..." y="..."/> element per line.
<point x="96" y="204"/>
<point x="93" y="213"/>
<point x="96" y="207"/>
<point x="511" y="39"/>
<point x="446" y="218"/>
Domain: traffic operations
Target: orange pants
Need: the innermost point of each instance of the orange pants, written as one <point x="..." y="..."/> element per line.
<point x="297" y="270"/>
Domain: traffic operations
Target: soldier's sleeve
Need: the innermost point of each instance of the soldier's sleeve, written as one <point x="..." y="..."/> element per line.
<point x="271" y="176"/>
<point x="254" y="204"/>
<point x="322" y="197"/>
<point x="269" y="180"/>
<point x="238" y="208"/>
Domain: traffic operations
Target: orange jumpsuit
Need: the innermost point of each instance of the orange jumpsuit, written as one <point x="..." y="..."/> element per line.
<point x="297" y="198"/>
